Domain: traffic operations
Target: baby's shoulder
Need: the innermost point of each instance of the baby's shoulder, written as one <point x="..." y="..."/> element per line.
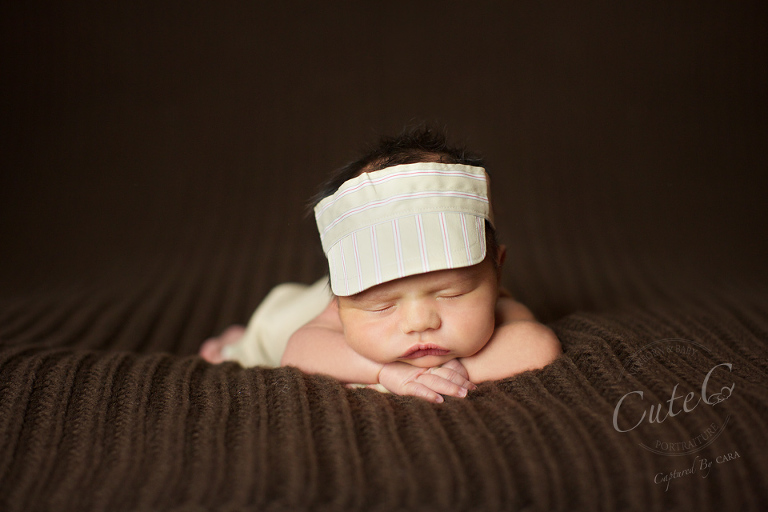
<point x="510" y="310"/>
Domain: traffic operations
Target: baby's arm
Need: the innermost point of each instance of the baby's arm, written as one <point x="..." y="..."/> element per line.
<point x="320" y="347"/>
<point x="518" y="343"/>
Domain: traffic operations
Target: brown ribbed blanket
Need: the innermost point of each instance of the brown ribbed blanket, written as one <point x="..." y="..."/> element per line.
<point x="154" y="169"/>
<point x="86" y="428"/>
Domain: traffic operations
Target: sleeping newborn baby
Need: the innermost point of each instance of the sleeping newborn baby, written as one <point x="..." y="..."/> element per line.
<point x="415" y="305"/>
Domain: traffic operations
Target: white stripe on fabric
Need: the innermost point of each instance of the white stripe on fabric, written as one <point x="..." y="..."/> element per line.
<point x="332" y="266"/>
<point x="357" y="262"/>
<point x="344" y="268"/>
<point x="466" y="236"/>
<point x="422" y="244"/>
<point x="446" y="242"/>
<point x="399" y="198"/>
<point x="375" y="248"/>
<point x="405" y="174"/>
<point x="398" y="249"/>
<point x="480" y="236"/>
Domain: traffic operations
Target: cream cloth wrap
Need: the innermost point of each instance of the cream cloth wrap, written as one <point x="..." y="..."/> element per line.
<point x="282" y="312"/>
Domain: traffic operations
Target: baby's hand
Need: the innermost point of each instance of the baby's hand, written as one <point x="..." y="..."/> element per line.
<point x="428" y="383"/>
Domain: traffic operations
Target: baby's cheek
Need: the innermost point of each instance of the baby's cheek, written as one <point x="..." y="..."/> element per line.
<point x="362" y="339"/>
<point x="481" y="329"/>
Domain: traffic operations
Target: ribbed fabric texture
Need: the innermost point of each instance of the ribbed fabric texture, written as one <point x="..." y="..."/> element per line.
<point x="92" y="430"/>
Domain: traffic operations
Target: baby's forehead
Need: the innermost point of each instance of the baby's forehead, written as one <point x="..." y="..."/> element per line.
<point x="427" y="283"/>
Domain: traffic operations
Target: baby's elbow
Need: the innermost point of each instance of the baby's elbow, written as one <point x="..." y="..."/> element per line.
<point x="543" y="344"/>
<point x="548" y="344"/>
<point x="292" y="350"/>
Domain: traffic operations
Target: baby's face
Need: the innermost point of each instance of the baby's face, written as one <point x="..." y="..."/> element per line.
<point x="424" y="320"/>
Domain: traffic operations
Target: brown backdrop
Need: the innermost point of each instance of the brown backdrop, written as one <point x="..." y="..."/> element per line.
<point x="156" y="159"/>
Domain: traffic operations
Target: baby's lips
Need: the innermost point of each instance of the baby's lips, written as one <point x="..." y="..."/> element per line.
<point x="420" y="350"/>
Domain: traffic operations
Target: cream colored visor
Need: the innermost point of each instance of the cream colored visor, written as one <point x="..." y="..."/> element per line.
<point x="403" y="220"/>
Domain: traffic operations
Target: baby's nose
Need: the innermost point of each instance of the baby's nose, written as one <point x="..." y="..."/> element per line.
<point x="419" y="316"/>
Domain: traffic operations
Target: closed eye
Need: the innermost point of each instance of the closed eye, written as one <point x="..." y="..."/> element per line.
<point x="452" y="295"/>
<point x="380" y="309"/>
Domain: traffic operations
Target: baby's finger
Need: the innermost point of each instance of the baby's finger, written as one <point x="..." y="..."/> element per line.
<point x="416" y="389"/>
<point x="452" y="376"/>
<point x="441" y="385"/>
<point x="456" y="366"/>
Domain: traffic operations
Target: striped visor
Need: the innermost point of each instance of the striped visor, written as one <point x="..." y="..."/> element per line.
<point x="403" y="220"/>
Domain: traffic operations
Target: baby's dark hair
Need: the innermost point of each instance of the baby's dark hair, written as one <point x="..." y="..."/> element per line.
<point x="421" y="143"/>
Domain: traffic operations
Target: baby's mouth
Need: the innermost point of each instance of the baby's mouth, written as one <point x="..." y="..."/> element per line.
<point x="430" y="349"/>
